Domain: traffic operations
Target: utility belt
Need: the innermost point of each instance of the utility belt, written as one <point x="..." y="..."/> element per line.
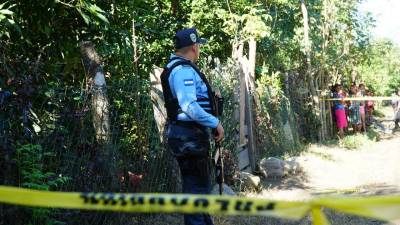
<point x="192" y="151"/>
<point x="187" y="130"/>
<point x="187" y="124"/>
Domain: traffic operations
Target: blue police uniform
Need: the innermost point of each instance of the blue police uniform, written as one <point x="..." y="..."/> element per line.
<point x="188" y="134"/>
<point x="187" y="86"/>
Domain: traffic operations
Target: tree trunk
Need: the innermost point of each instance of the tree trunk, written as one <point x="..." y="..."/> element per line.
<point x="312" y="84"/>
<point x="97" y="82"/>
<point x="135" y="56"/>
<point x="323" y="75"/>
<point x="307" y="48"/>
<point x="174" y="7"/>
<point x="100" y="115"/>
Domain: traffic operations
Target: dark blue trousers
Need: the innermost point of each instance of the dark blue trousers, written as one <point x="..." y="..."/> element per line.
<point x="191" y="146"/>
<point x="196" y="185"/>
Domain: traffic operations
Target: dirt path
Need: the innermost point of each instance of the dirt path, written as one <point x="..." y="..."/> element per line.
<point x="372" y="169"/>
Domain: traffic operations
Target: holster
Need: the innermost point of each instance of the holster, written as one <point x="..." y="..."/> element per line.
<point x="192" y="155"/>
<point x="188" y="147"/>
<point x="195" y="166"/>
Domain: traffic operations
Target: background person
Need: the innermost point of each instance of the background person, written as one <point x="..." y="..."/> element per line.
<point x="361" y="93"/>
<point x="339" y="108"/>
<point x="370" y="108"/>
<point x="396" y="109"/>
<point x="354" y="109"/>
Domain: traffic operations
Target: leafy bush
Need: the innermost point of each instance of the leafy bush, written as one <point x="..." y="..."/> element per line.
<point x="277" y="131"/>
<point x="360" y="140"/>
<point x="31" y="160"/>
<point x="378" y="113"/>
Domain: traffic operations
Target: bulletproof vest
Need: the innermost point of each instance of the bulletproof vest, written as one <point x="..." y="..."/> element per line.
<point x="171" y="103"/>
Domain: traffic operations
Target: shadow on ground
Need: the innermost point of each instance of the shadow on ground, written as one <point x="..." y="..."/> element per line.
<point x="289" y="182"/>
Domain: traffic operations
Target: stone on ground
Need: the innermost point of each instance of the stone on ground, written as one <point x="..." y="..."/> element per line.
<point x="249" y="181"/>
<point x="272" y="167"/>
<point x="291" y="166"/>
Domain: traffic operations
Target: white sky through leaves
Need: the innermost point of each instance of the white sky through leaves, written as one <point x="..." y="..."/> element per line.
<point x="387" y="16"/>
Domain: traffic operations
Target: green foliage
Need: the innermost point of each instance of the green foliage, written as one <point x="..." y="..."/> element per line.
<point x="40" y="64"/>
<point x="340" y="35"/>
<point x="224" y="24"/>
<point x="6" y="19"/>
<point x="31" y="163"/>
<point x="277" y="131"/>
<point x="373" y="135"/>
<point x="93" y="9"/>
<point x="223" y="78"/>
<point x="381" y="70"/>
<point x="378" y="113"/>
<point x="358" y="141"/>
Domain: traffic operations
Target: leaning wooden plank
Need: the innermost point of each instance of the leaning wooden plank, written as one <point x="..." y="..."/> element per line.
<point x="160" y="115"/>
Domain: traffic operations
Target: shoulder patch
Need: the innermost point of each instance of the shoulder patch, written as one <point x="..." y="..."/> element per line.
<point x="188" y="82"/>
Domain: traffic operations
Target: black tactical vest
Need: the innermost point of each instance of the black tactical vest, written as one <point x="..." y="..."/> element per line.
<point x="171" y="103"/>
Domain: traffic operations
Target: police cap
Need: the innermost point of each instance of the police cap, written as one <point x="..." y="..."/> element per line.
<point x="187" y="37"/>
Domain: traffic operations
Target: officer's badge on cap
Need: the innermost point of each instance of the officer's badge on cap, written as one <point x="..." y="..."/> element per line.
<point x="193" y="37"/>
<point x="187" y="37"/>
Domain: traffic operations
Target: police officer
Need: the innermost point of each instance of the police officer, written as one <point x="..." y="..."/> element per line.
<point x="189" y="101"/>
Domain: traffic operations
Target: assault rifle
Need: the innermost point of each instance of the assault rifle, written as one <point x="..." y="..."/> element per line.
<point x="219" y="158"/>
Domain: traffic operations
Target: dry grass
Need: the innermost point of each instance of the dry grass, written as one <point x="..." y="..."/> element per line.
<point x="333" y="217"/>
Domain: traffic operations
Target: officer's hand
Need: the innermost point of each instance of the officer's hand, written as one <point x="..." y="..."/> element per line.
<point x="219" y="133"/>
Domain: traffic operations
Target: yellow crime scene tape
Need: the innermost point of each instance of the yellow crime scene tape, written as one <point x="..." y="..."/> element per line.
<point x="154" y="203"/>
<point x="380" y="207"/>
<point x="369" y="98"/>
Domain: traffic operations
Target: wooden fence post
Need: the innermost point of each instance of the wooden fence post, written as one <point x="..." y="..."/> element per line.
<point x="247" y="147"/>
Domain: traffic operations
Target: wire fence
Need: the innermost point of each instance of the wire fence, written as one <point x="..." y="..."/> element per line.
<point x="51" y="127"/>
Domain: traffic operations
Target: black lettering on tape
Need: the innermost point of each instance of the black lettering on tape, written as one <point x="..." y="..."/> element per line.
<point x="108" y="199"/>
<point x="179" y="202"/>
<point x="137" y="200"/>
<point x="89" y="198"/>
<point x="93" y="199"/>
<point x="122" y="200"/>
<point x="201" y="201"/>
<point x="157" y="200"/>
<point x="269" y="206"/>
<point x="85" y="197"/>
<point x="224" y="204"/>
<point x="243" y="206"/>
